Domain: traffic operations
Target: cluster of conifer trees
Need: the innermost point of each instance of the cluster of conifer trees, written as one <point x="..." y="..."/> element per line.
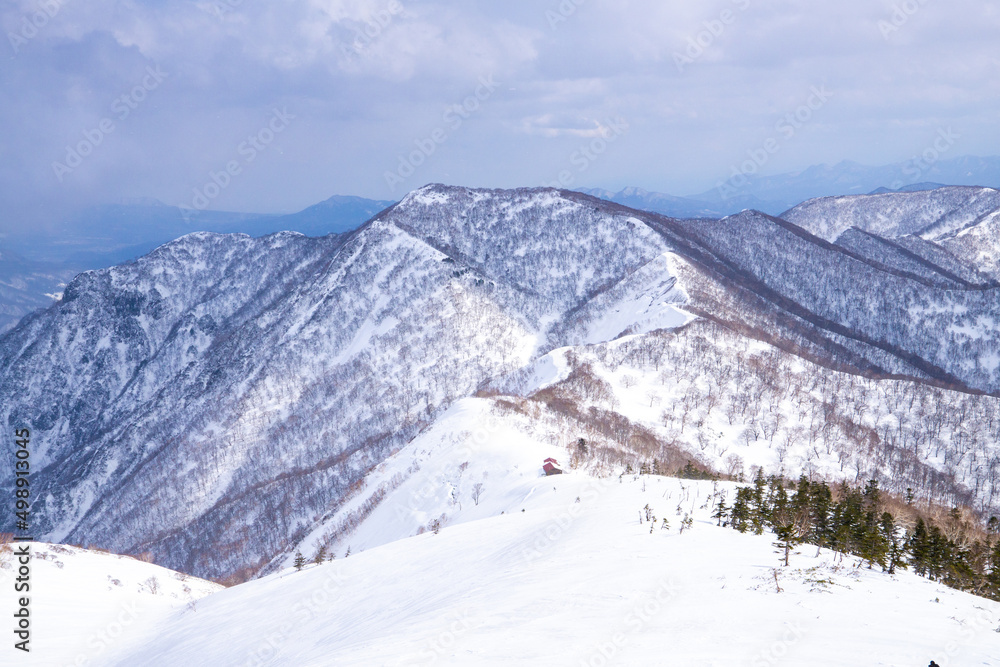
<point x="856" y="521"/>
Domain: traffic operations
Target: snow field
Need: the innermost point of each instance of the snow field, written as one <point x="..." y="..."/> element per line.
<point x="561" y="571"/>
<point x="568" y="583"/>
<point x="83" y="603"/>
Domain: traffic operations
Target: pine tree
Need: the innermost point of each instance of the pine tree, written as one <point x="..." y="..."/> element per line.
<point x="820" y="501"/>
<point x="895" y="547"/>
<point x="872" y="496"/>
<point x="759" y="514"/>
<point x="799" y="506"/>
<point x="919" y="547"/>
<point x="320" y="555"/>
<point x="993" y="578"/>
<point x="847" y="521"/>
<point x="787" y="539"/>
<point x="721" y="512"/>
<point x="299" y="561"/>
<point x="740" y="514"/>
<point x="938" y="553"/>
<point x="873" y="546"/>
<point x="780" y="508"/>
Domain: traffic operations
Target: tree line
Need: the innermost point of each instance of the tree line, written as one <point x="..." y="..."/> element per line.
<point x="857" y="521"/>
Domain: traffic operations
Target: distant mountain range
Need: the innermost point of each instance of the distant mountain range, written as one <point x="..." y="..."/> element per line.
<point x="110" y="234"/>
<point x="779" y="193"/>
<point x="36" y="263"/>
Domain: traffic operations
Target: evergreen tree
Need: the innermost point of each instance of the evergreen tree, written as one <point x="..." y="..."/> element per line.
<point x="658" y="468"/>
<point x="800" y="507"/>
<point x="874" y="546"/>
<point x="895" y="546"/>
<point x="938" y="553"/>
<point x="820" y="501"/>
<point x="920" y="549"/>
<point x="993" y="578"/>
<point x="759" y="511"/>
<point x="872" y="496"/>
<point x="320" y="555"/>
<point x="780" y="511"/>
<point x="857" y="524"/>
<point x="299" y="561"/>
<point x="847" y="521"/>
<point x="721" y="512"/>
<point x="787" y="539"/>
<point x="740" y="514"/>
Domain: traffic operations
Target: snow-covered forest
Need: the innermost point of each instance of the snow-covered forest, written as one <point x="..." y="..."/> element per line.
<point x="220" y="400"/>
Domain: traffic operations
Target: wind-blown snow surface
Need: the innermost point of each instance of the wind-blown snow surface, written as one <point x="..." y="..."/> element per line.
<point x="83" y="603"/>
<point x="560" y="570"/>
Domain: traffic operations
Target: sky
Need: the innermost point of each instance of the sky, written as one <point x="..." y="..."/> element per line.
<point x="273" y="106"/>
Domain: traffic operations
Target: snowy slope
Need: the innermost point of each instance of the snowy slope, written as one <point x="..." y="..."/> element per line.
<point x="930" y="214"/>
<point x="225" y="380"/>
<point x="979" y="245"/>
<point x="219" y="400"/>
<point x="573" y="579"/>
<point x="963" y="223"/>
<point x="83" y="603"/>
<point x="661" y="396"/>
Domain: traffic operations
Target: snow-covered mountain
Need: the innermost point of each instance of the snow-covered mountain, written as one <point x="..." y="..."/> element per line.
<point x="208" y="401"/>
<point x="225" y="398"/>
<point x="36" y="261"/>
<point x="962" y="224"/>
<point x="931" y="215"/>
<point x="848" y="178"/>
<point x="26" y="286"/>
<point x="670" y="205"/>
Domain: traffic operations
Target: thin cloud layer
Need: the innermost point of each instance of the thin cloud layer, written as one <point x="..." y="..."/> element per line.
<point x="380" y="96"/>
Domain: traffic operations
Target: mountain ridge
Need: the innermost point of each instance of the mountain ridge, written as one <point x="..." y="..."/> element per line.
<point x="222" y="380"/>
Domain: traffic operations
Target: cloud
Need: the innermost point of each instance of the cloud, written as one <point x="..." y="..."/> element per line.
<point x="368" y="78"/>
